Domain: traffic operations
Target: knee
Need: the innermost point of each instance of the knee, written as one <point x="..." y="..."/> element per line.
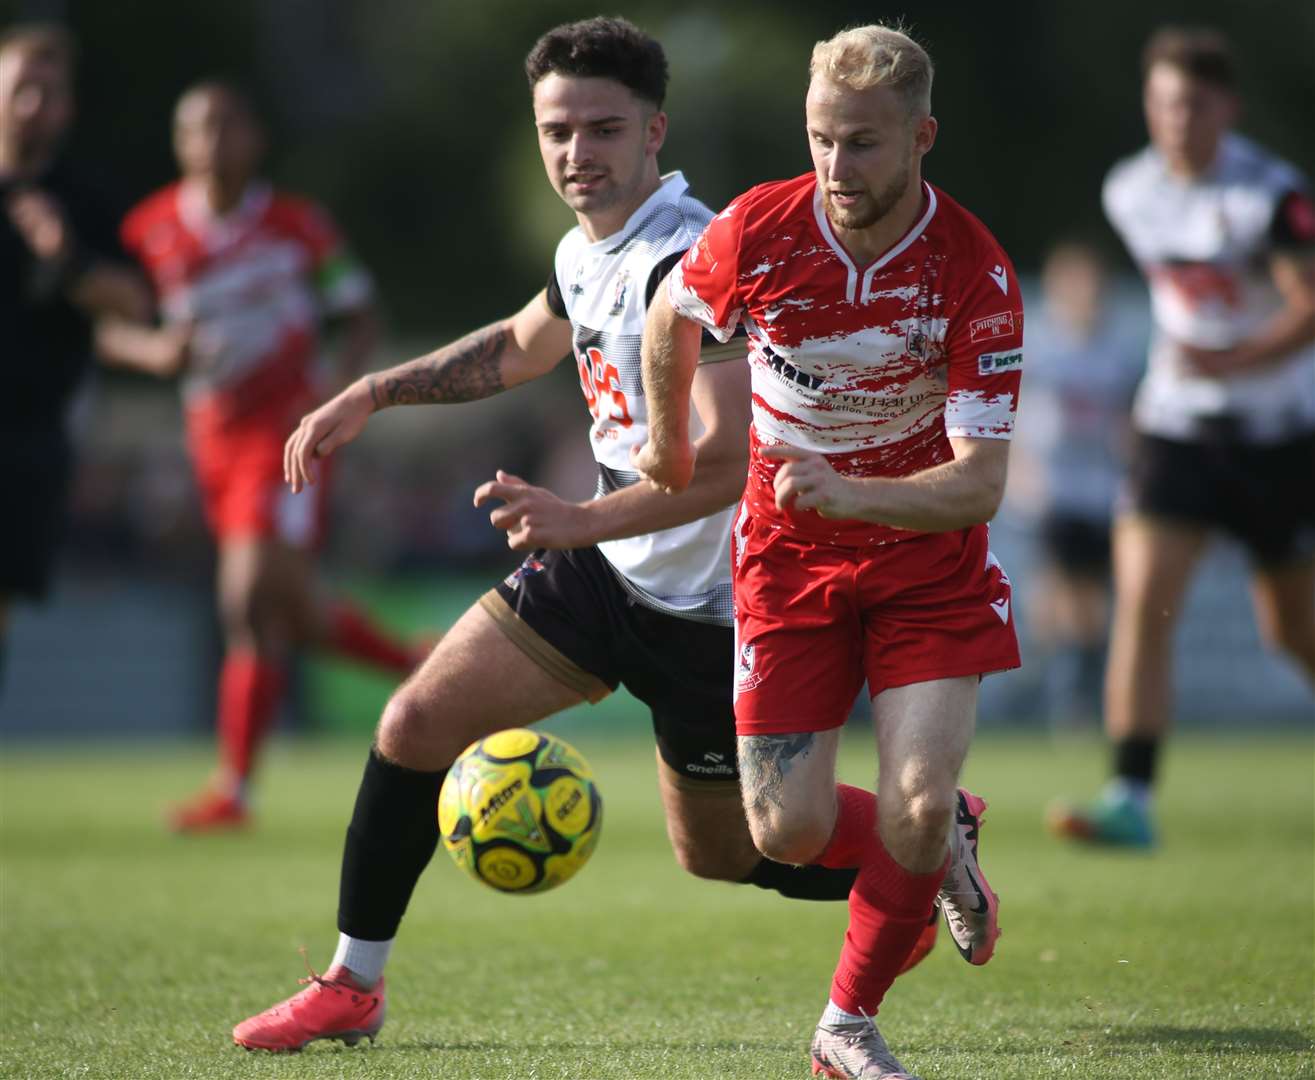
<point x="796" y="836"/>
<point x="251" y="618"/>
<point x="237" y="616"/>
<point x="914" y="828"/>
<point x="399" y="734"/>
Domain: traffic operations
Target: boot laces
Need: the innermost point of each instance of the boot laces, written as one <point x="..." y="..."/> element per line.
<point x="315" y="978"/>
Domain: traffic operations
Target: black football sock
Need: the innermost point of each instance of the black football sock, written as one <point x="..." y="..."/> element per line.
<point x="1135" y="758"/>
<point x="391" y="838"/>
<point x="803" y="882"/>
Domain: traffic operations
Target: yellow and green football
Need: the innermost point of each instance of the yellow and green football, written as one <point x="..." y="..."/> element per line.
<point x="519" y="811"/>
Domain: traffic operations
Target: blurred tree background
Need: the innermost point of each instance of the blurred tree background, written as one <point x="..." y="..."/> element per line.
<point x="411" y="120"/>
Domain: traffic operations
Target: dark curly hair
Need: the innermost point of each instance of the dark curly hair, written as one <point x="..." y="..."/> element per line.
<point x="605" y="48"/>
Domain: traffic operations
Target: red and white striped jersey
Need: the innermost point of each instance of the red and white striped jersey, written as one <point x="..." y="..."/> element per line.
<point x="875" y="366"/>
<point x="254" y="281"/>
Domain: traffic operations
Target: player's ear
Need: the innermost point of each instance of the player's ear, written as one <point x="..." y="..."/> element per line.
<point x="657" y="131"/>
<point x="924" y="133"/>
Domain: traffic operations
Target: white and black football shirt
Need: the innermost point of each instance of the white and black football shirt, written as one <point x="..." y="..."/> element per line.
<point x="1204" y="245"/>
<point x="604" y="287"/>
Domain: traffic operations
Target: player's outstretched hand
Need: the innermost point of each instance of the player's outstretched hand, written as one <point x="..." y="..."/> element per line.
<point x="174" y="352"/>
<point x="39" y="219"/>
<point x="533" y="517"/>
<point x="806" y="481"/>
<point x="334" y="424"/>
<point x="668" y="470"/>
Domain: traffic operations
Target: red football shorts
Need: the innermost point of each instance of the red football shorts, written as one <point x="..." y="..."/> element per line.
<point x="238" y="462"/>
<point x="814" y="621"/>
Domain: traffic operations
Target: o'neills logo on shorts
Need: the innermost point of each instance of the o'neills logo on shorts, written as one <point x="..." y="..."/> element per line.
<point x="745" y="676"/>
<point x="992" y="326"/>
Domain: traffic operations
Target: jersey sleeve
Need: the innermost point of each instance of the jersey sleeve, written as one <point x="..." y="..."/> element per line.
<point x="704" y="286"/>
<point x="342" y="282"/>
<point x="1293" y="227"/>
<point x="711" y="350"/>
<point x="553" y="295"/>
<point x="132" y="230"/>
<point x="984" y="347"/>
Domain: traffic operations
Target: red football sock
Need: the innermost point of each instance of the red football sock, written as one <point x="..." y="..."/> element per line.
<point x="249" y="693"/>
<point x="888" y="909"/>
<point x="351" y="634"/>
<point x="856" y="827"/>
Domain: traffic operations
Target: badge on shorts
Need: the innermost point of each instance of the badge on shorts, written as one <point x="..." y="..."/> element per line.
<point x="745" y="676"/>
<point x="528" y="567"/>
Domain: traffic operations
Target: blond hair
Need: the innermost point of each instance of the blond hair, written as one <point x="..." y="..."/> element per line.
<point x="866" y="56"/>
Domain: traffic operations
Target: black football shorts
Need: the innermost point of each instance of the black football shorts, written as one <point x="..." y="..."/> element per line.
<point x="1078" y="546"/>
<point x="567" y="611"/>
<point x="1261" y="493"/>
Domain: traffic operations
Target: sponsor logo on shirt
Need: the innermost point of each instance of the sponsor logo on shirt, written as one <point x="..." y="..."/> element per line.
<point x="993" y="363"/>
<point x="786" y="370"/>
<point x="998" y="325"/>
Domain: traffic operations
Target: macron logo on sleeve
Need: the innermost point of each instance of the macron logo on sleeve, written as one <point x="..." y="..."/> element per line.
<point x="1000" y="276"/>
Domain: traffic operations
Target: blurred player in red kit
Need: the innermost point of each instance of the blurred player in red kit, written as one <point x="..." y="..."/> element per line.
<point x="243" y="276"/>
<point x="885" y="329"/>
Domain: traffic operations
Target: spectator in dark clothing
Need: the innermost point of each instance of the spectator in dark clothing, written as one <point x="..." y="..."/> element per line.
<point x="60" y="271"/>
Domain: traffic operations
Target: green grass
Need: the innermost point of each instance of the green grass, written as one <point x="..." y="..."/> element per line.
<point x="130" y="953"/>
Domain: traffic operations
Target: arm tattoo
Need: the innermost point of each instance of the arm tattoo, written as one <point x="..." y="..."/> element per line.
<point x="765" y="760"/>
<point x="466" y="370"/>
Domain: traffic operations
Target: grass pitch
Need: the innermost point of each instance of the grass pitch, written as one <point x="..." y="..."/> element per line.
<point x="128" y="953"/>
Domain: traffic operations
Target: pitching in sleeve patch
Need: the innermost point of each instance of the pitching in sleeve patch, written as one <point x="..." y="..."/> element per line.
<point x="998" y="325"/>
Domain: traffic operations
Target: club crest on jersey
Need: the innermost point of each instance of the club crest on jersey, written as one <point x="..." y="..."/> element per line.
<point x="994" y="363"/>
<point x="528" y="567"/>
<point x="921" y="346"/>
<point x="619" y="293"/>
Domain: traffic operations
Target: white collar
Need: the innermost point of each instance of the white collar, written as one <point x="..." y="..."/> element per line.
<point x="195" y="211"/>
<point x="673" y="185"/>
<point x="852" y="292"/>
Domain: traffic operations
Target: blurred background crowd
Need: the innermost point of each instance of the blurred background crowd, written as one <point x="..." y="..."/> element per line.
<point x="411" y="122"/>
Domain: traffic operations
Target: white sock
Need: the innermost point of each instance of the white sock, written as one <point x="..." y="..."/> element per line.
<point x="364" y="959"/>
<point x="833" y="1014"/>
